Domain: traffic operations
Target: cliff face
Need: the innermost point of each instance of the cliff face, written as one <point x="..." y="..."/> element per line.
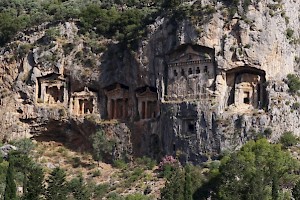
<point x="194" y="87"/>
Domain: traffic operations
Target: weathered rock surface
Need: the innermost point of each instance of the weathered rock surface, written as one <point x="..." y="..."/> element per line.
<point x="227" y="77"/>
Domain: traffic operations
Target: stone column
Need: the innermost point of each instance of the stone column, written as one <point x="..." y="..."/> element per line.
<point x="115" y="108"/>
<point x="65" y="94"/>
<point x="124" y="109"/>
<point x="140" y="108"/>
<point x="76" y="106"/>
<point x="43" y="92"/>
<point x="71" y="106"/>
<point x="108" y="108"/>
<point x="261" y="95"/>
<point x="82" y="108"/>
<point x="146" y="109"/>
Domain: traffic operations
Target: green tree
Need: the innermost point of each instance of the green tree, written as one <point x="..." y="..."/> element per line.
<point x="57" y="185"/>
<point x="101" y="145"/>
<point x="10" y="188"/>
<point x="24" y="146"/>
<point x="188" y="184"/>
<point x="296" y="191"/>
<point x="171" y="4"/>
<point x="174" y="188"/>
<point x="78" y="189"/>
<point x="22" y="164"/>
<point x="288" y="139"/>
<point x="293" y="83"/>
<point x="252" y="171"/>
<point x="35" y="184"/>
<point x="182" y="183"/>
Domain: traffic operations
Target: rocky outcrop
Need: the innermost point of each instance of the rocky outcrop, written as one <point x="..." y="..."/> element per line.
<point x="193" y="88"/>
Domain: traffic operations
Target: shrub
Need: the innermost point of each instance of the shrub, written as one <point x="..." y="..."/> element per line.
<point x="148" y="162"/>
<point x="296" y="106"/>
<point x="76" y="162"/>
<point x="267" y="132"/>
<point x="120" y="164"/>
<point x="289" y="33"/>
<point x="168" y="165"/>
<point x="96" y="173"/>
<point x="100" y="190"/>
<point x="51" y="34"/>
<point x="288" y="139"/>
<point x="137" y="196"/>
<point x="296" y="191"/>
<point x="24" y="145"/>
<point x="68" y="47"/>
<point x="293" y="83"/>
<point x="102" y="146"/>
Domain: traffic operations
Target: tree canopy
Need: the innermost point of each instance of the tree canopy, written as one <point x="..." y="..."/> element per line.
<point x="257" y="171"/>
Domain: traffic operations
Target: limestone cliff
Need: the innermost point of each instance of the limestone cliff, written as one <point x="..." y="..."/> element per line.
<point x="193" y="88"/>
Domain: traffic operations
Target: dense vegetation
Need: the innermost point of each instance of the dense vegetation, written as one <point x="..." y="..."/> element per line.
<point x="120" y="19"/>
<point x="124" y="20"/>
<point x="260" y="170"/>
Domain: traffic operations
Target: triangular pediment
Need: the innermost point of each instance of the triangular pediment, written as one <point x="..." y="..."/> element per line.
<point x="189" y="54"/>
<point x="147" y="93"/>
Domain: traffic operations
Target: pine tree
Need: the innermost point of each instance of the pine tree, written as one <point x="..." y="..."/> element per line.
<point x="35" y="184"/>
<point x="10" y="188"/>
<point x="78" y="189"/>
<point x="188" y="195"/>
<point x="57" y="187"/>
<point x="296" y="191"/>
<point x="174" y="188"/>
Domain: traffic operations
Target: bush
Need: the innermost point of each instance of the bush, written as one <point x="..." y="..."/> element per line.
<point x="148" y="162"/>
<point x="120" y="164"/>
<point x="288" y="139"/>
<point x="296" y="191"/>
<point x="168" y="165"/>
<point x="96" y="173"/>
<point x="137" y="196"/>
<point x="101" y="190"/>
<point x="102" y="146"/>
<point x="296" y="106"/>
<point x="267" y="132"/>
<point x="293" y="83"/>
<point x="289" y="33"/>
<point x="168" y="161"/>
<point x="76" y="162"/>
<point x="24" y="145"/>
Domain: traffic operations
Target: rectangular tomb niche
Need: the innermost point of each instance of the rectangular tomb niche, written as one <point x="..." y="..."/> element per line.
<point x="189" y="126"/>
<point x="51" y="90"/>
<point x="147" y="102"/>
<point x="84" y="102"/>
<point x="191" y="72"/>
<point x="246" y="87"/>
<point x="117" y="101"/>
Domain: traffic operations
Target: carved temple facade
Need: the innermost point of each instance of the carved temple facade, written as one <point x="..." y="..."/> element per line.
<point x="147" y="103"/>
<point x="52" y="90"/>
<point x="84" y="102"/>
<point x="191" y="71"/>
<point x="246" y="87"/>
<point x="117" y="102"/>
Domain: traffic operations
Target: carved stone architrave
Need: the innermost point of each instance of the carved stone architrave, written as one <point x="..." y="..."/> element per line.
<point x="84" y="102"/>
<point x="117" y="103"/>
<point x="147" y="104"/>
<point x="190" y="71"/>
<point x="52" y="90"/>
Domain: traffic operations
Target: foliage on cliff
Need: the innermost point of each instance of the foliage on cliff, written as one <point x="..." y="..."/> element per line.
<point x="124" y="20"/>
<point x="107" y="18"/>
